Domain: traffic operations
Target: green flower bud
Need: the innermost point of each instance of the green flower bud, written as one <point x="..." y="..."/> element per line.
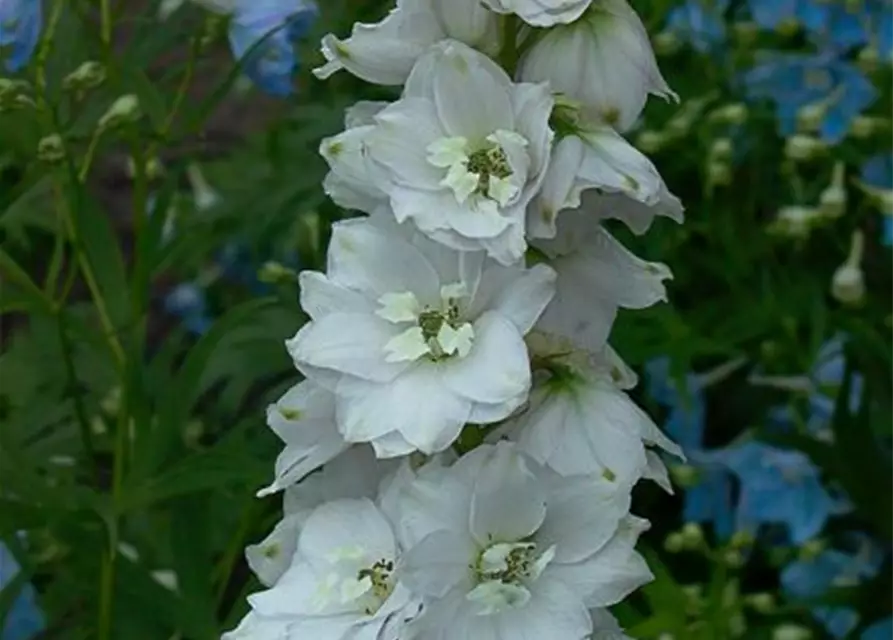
<point x="51" y="149"/>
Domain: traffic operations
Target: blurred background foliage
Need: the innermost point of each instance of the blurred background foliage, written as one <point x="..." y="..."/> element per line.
<point x="148" y="282"/>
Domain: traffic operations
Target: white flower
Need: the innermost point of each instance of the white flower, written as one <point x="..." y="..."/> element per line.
<point x="604" y="60"/>
<point x="304" y="418"/>
<point x="340" y="583"/>
<point x="354" y="180"/>
<point x="465" y="150"/>
<point x="514" y="550"/>
<point x="596" y="276"/>
<point x="385" y="52"/>
<point x="356" y="473"/>
<point x="596" y="169"/>
<point x="541" y="13"/>
<point x="416" y="340"/>
<point x="579" y="421"/>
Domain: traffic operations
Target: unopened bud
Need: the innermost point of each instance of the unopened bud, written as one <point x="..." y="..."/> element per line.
<point x="863" y="127"/>
<point x="10" y="87"/>
<point x="794" y="221"/>
<point x="788" y="27"/>
<point x="848" y="281"/>
<point x="153" y="168"/>
<point x="204" y="195"/>
<point x="684" y="475"/>
<point x="742" y="539"/>
<point x="124" y="110"/>
<point x="666" y="43"/>
<point x="791" y="632"/>
<point x="868" y="60"/>
<point x="674" y="543"/>
<point x="733" y="558"/>
<point x="746" y="31"/>
<point x="719" y="173"/>
<point x="721" y="149"/>
<point x="811" y="116"/>
<point x="276" y="273"/>
<point x="650" y="141"/>
<point x="111" y="403"/>
<point x="803" y="147"/>
<point x="734" y="113"/>
<point x="692" y="535"/>
<point x="88" y="76"/>
<point x="885" y="202"/>
<point x="812" y="549"/>
<point x="761" y="602"/>
<point x="832" y="201"/>
<point x="51" y="149"/>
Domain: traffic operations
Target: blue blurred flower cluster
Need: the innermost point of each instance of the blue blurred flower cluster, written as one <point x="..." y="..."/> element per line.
<point x="263" y="33"/>
<point x="20" y="24"/>
<point x="755" y="488"/>
<point x="24" y="620"/>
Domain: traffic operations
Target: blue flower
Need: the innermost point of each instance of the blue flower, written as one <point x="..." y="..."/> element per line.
<point x="811" y="578"/>
<point x="794" y="81"/>
<point x="25" y="620"/>
<point x="272" y="63"/>
<point x="877" y="172"/>
<point x="700" y="25"/>
<point x="771" y="14"/>
<point x="187" y="302"/>
<point x="20" y="24"/>
<point x="882" y="630"/>
<point x="780" y="487"/>
<point x="709" y="499"/>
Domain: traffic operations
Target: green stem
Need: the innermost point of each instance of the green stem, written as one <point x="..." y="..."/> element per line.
<point x="106" y="22"/>
<point x="508" y="54"/>
<point x="79" y="408"/>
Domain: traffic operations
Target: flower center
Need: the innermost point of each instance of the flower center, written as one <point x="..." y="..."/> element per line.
<point x="480" y="173"/>
<point x="437" y="333"/>
<point x="378" y="577"/>
<point x="348" y="588"/>
<point x="503" y="571"/>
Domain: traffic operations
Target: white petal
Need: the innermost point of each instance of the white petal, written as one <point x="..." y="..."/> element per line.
<point x="497" y="369"/>
<point x="471" y="100"/>
<point x="583" y="515"/>
<point x="519" y="295"/>
<point x="346" y="525"/>
<point x="656" y="470"/>
<point x="320" y="296"/>
<point x="438" y="563"/>
<point x="351" y="343"/>
<point x="403" y="134"/>
<point x="304" y="418"/>
<point x="366" y="258"/>
<point x="509" y="501"/>
<point x="613" y="573"/>
<point x="354" y="181"/>
<point x="417" y="405"/>
<point x="270" y="558"/>
<point x="382" y="53"/>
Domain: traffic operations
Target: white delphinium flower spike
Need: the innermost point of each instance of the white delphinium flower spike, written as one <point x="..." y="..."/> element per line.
<point x="541" y="13"/>
<point x="465" y="150"/>
<point x="356" y="473"/>
<point x="593" y="266"/>
<point x="340" y="582"/>
<point x="613" y="69"/>
<point x="597" y="170"/>
<point x="579" y="420"/>
<point x="384" y="53"/>
<point x="415" y="339"/>
<point x="509" y="549"/>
